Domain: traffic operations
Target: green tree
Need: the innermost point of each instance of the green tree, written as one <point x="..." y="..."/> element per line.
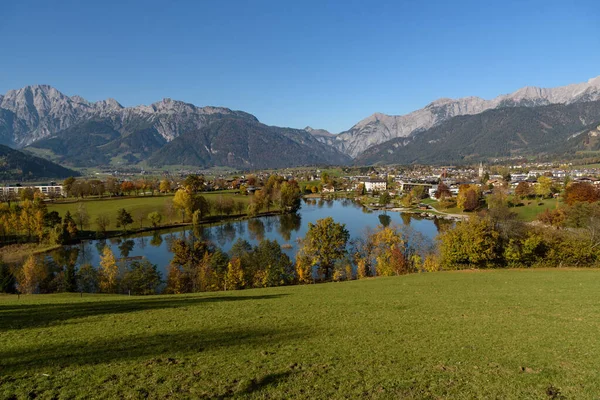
<point x="325" y="243"/>
<point x="124" y="219"/>
<point x="154" y="217"/>
<point x="87" y="279"/>
<point x="470" y="244"/>
<point x="141" y="278"/>
<point x="70" y="277"/>
<point x="193" y="184"/>
<point x="384" y="199"/>
<point x="290" y="196"/>
<point x="68" y="185"/>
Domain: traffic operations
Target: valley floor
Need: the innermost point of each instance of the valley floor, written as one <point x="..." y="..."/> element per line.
<point x="474" y="334"/>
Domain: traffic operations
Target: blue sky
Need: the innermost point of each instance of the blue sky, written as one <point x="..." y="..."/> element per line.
<point x="320" y="63"/>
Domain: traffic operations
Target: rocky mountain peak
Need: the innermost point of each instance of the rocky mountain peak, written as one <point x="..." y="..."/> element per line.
<point x="379" y="128"/>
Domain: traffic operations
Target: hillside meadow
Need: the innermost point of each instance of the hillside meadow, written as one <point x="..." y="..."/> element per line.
<point x="511" y="334"/>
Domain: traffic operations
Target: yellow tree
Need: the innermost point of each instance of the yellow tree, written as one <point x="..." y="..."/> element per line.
<point x="304" y="268"/>
<point x="165" y="186"/>
<point x="39" y="225"/>
<point x="234" y="277"/>
<point x="543" y="187"/>
<point x="184" y="202"/>
<point x="28" y="218"/>
<point x="31" y="276"/>
<point x="387" y="241"/>
<point x="109" y="271"/>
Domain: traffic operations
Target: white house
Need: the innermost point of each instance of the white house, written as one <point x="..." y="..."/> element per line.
<point x="44" y="189"/>
<point x="375" y="184"/>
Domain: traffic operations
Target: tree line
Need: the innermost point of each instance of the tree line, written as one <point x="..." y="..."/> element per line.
<point x="491" y="238"/>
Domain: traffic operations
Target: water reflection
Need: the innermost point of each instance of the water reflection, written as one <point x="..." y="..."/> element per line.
<point x="385" y="220"/>
<point x="156" y="240"/>
<point x="286" y="229"/>
<point x="256" y="228"/>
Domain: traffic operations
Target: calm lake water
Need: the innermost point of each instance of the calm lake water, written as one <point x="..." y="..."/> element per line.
<point x="286" y="229"/>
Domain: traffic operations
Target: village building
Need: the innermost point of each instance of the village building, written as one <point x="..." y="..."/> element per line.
<point x="48" y="190"/>
<point x="375" y="184"/>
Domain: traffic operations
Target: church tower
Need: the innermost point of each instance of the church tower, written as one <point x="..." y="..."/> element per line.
<point x="481" y="170"/>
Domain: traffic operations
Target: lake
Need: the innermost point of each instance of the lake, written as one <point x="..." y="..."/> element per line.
<point x="286" y="229"/>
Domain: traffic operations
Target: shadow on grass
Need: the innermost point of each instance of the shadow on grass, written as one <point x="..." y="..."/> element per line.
<point x="42" y="315"/>
<point x="256" y="385"/>
<point x="154" y="350"/>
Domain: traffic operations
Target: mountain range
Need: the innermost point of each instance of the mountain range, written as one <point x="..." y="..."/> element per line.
<point x="77" y="133"/>
<point x="379" y="128"/>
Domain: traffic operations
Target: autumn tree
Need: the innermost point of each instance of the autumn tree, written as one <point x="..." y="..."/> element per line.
<point x="472" y="243"/>
<point x="523" y="190"/>
<point x="468" y="197"/>
<point x="325" y="243"/>
<point x="442" y="191"/>
<point x="69" y="227"/>
<point x="184" y="202"/>
<point x="31" y="276"/>
<point x="108" y="272"/>
<point x="193" y="183"/>
<point x="543" y="187"/>
<point x="581" y="192"/>
<point x="234" y="278"/>
<point x="127" y="187"/>
<point x="165" y="186"/>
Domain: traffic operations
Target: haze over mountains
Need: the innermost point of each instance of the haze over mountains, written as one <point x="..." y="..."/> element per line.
<point x="75" y="132"/>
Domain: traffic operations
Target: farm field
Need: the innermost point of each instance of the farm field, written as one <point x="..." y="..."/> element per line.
<point x="134" y="205"/>
<point x="511" y="334"/>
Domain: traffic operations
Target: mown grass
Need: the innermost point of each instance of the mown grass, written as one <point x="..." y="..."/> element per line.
<point x="514" y="334"/>
<point x="140" y="204"/>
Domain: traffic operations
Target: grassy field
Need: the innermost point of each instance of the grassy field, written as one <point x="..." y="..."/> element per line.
<point x="510" y="334"/>
<point x="532" y="208"/>
<point x="143" y="204"/>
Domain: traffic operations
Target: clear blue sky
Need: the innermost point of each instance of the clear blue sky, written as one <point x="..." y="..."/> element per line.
<point x="319" y="63"/>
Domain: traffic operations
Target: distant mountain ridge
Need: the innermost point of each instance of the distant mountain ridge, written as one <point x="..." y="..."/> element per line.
<point x="379" y="128"/>
<point x="503" y="132"/>
<point x="17" y="166"/>
<point x="79" y="133"/>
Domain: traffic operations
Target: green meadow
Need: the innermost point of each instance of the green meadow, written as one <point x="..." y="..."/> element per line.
<point x="509" y="334"/>
<point x="134" y="205"/>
